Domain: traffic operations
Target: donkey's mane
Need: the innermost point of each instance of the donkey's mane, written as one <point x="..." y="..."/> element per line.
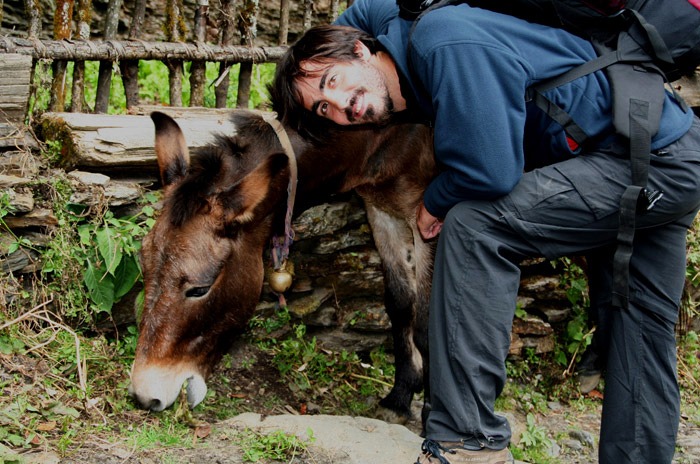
<point x="212" y="164"/>
<point x="251" y="128"/>
<point x="206" y="170"/>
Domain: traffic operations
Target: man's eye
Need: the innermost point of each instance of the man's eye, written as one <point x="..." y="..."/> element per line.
<point x="323" y="108"/>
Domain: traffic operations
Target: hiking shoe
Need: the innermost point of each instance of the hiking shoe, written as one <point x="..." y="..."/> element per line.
<point x="445" y="452"/>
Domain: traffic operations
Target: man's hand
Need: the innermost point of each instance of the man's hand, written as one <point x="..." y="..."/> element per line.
<point x="428" y="225"/>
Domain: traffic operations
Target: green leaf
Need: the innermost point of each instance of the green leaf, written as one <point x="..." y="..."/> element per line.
<point x="126" y="275"/>
<point x="108" y="244"/>
<point x="100" y="288"/>
<point x="64" y="410"/>
<point x="84" y="233"/>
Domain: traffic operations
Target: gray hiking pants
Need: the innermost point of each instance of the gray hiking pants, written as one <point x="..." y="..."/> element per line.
<point x="569" y="208"/>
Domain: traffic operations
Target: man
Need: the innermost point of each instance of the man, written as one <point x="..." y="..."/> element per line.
<point x="468" y="73"/>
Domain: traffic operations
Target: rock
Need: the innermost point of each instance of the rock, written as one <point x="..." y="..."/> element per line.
<point x="39" y="217"/>
<point x="343" y="439"/>
<point x="89" y="178"/>
<point x="306" y="305"/>
<point x="573" y="445"/>
<point x="582" y="436"/>
<point x="532" y="326"/>
<point x="339" y="340"/>
<point x="21" y="201"/>
<point x="13" y="181"/>
<point x="321" y="220"/>
<point x="554" y="405"/>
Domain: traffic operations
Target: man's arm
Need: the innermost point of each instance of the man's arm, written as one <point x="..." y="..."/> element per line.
<point x="478" y="97"/>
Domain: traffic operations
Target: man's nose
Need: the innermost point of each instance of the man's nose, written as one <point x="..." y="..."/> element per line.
<point x="340" y="99"/>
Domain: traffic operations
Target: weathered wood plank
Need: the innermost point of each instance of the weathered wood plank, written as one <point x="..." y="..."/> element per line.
<point x="114" y="50"/>
<point x="16" y="71"/>
<point x="112" y="142"/>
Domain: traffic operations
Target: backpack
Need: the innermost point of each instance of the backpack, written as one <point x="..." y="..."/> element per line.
<point x="641" y="45"/>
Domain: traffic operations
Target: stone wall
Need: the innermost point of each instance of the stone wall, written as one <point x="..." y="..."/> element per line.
<point x="338" y="286"/>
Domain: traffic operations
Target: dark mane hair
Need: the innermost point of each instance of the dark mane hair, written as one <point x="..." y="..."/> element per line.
<point x="321" y="44"/>
<point x="224" y="155"/>
<point x="189" y="197"/>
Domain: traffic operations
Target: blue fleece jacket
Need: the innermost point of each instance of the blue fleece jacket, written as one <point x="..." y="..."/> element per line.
<point x="475" y="66"/>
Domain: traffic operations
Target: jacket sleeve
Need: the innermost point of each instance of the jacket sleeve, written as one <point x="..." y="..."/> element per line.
<point x="478" y="99"/>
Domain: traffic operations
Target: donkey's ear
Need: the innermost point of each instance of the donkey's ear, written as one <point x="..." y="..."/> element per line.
<point x="171" y="149"/>
<point x="240" y="201"/>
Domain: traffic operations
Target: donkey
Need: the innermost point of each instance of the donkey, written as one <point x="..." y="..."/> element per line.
<point x="203" y="260"/>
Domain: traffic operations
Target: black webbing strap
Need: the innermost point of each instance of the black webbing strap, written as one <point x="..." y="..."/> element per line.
<point x="535" y="93"/>
<point x="633" y="199"/>
<point x="638" y="97"/>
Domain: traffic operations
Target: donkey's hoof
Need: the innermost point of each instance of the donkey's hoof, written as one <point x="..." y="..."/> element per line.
<point x="392" y="417"/>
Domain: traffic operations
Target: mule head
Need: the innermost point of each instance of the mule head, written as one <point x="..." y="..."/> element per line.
<point x="202" y="261"/>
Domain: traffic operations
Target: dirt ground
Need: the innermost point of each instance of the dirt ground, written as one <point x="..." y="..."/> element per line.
<point x="252" y="379"/>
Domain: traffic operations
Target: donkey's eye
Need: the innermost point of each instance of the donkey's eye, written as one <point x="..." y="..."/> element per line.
<point x="197" y="292"/>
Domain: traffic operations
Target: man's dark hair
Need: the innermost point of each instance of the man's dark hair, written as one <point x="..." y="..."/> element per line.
<point x="320" y="44"/>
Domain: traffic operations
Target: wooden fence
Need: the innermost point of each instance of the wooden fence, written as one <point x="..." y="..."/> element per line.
<point x="223" y="33"/>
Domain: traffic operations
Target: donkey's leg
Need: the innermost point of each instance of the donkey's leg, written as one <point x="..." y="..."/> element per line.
<point x="395" y="244"/>
<point x="424" y="257"/>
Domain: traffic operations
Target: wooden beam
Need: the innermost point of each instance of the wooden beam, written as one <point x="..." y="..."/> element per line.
<point x="104" y="143"/>
<point x="117" y="50"/>
<point x="15" y="76"/>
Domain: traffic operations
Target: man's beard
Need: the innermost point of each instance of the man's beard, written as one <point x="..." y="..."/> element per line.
<point x="371" y="116"/>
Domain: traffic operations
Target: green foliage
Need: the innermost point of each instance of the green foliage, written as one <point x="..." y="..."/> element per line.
<point x="5" y="206"/>
<point x="276" y="446"/>
<point x="166" y="430"/>
<point x="334" y="378"/>
<point x="689" y="373"/>
<point x="154" y="78"/>
<point x="578" y="333"/>
<point x="534" y="436"/>
<point x="111" y="258"/>
<point x="10" y="344"/>
<point x="270" y="323"/>
<point x="100" y="255"/>
<point x="5" y="209"/>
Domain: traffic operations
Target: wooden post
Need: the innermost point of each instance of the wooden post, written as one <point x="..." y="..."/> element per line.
<point x="308" y="14"/>
<point x="130" y="68"/>
<point x="284" y="22"/>
<point x="63" y="16"/>
<point x="335" y="7"/>
<point x="77" y="101"/>
<point x="248" y="26"/>
<point x="104" y="79"/>
<point x="175" y="32"/>
<point x="197" y="70"/>
<point x="33" y="9"/>
<point x="226" y="24"/>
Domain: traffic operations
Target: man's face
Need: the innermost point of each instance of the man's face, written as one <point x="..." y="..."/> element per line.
<point x="347" y="92"/>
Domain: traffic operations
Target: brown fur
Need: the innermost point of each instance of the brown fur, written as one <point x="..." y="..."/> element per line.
<point x="203" y="263"/>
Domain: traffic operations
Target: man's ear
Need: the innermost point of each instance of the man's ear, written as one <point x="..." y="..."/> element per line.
<point x="362" y="51"/>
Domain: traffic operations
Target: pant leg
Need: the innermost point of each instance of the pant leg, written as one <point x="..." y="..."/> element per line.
<point x="641" y="409"/>
<point x="569" y="208"/>
<point x="475" y="285"/>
